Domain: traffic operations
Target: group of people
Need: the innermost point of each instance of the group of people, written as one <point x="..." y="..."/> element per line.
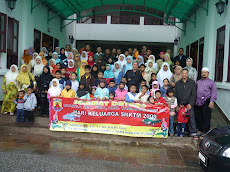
<point x="132" y="77"/>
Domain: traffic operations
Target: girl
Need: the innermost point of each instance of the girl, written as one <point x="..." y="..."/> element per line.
<point x="75" y="83"/>
<point x="70" y="68"/>
<point x="62" y="54"/>
<point x="67" y="92"/>
<point x="165" y="87"/>
<point x="102" y="93"/>
<point x="55" y="57"/>
<point x="110" y="61"/>
<point x="94" y="71"/>
<point x="44" y="61"/>
<point x="69" y="57"/>
<point x="103" y="66"/>
<point x="121" y="92"/>
<point x="176" y="76"/>
<point x="148" y="71"/>
<point x="99" y="61"/>
<point x="84" y="56"/>
<point x="164" y="73"/>
<point x="90" y="61"/>
<point x="32" y="62"/>
<point x="26" y="57"/>
<point x="129" y="64"/>
<point x="111" y="96"/>
<point x="44" y="50"/>
<point x="140" y="60"/>
<point x="81" y="70"/>
<point x="54" y="90"/>
<point x="152" y="57"/>
<point x="122" y="61"/>
<point x="108" y="72"/>
<point x="9" y="90"/>
<point x="52" y="66"/>
<point x="168" y="60"/>
<point x="151" y="100"/>
<point x="49" y="56"/>
<point x="25" y="79"/>
<point x="159" y="100"/>
<point x="82" y="92"/>
<point x="117" y="72"/>
<point x="32" y="51"/>
<point x="93" y="89"/>
<point x="38" y="67"/>
<point x="155" y="87"/>
<point x="77" y="61"/>
<point x="192" y="74"/>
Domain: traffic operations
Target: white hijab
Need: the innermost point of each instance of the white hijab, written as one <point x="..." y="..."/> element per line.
<point x="68" y="57"/>
<point x="86" y="56"/>
<point x="11" y="76"/>
<point x="38" y="68"/>
<point x="55" y="91"/>
<point x="71" y="60"/>
<point x="116" y="71"/>
<point x="32" y="62"/>
<point x="46" y="54"/>
<point x="123" y="62"/>
<point x="163" y="74"/>
<point x="154" y="61"/>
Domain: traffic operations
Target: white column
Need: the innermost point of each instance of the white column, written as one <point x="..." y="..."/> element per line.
<point x="142" y="21"/>
<point x="108" y="19"/>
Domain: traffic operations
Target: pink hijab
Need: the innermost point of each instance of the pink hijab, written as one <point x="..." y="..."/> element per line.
<point x="153" y="90"/>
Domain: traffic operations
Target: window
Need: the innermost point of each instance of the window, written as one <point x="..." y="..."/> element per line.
<point x="47" y="41"/>
<point x="219" y="54"/>
<point x="37" y="40"/>
<point x="12" y="42"/>
<point x="228" y="79"/>
<point x="2" y="32"/>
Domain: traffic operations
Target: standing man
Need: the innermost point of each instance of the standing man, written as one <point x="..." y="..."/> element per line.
<point x="181" y="58"/>
<point x="87" y="49"/>
<point x="185" y="89"/>
<point x="134" y="76"/>
<point x="97" y="54"/>
<point x="206" y="96"/>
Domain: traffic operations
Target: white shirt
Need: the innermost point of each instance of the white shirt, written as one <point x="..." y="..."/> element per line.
<point x="143" y="99"/>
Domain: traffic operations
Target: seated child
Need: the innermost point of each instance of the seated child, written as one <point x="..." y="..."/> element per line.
<point x="153" y="78"/>
<point x="88" y="78"/>
<point x="99" y="78"/>
<point x="143" y="82"/>
<point x="67" y="92"/>
<point x="182" y="119"/>
<point x="102" y="93"/>
<point x="143" y="95"/>
<point x="82" y="92"/>
<point x="108" y="73"/>
<point x="165" y="87"/>
<point x="151" y="100"/>
<point x="111" y="95"/>
<point x="93" y="89"/>
<point x="172" y="103"/>
<point x="54" y="90"/>
<point x="159" y="100"/>
<point x="155" y="87"/>
<point x="74" y="82"/>
<point x="63" y="73"/>
<point x="130" y="96"/>
<point x="20" y="107"/>
<point x="121" y="91"/>
<point x="112" y="86"/>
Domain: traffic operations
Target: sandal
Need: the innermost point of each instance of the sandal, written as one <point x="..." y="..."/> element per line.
<point x="195" y="137"/>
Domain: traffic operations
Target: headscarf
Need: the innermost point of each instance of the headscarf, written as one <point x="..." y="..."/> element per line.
<point x="154" y="59"/>
<point x="57" y="59"/>
<point x="26" y="58"/>
<point x="99" y="64"/>
<point x="142" y="60"/>
<point x="77" y="64"/>
<point x="49" y="57"/>
<point x="94" y="73"/>
<point x="71" y="60"/>
<point x="30" y="50"/>
<point x="112" y="63"/>
<point x="91" y="63"/>
<point x="123" y="62"/>
<point x="177" y="77"/>
<point x="55" y="91"/>
<point x="56" y="49"/>
<point x="129" y="66"/>
<point x="45" y="52"/>
<point x="86" y="56"/>
<point x="24" y="77"/>
<point x="82" y="69"/>
<point x="46" y="77"/>
<point x="32" y="62"/>
<point x="164" y="74"/>
<point x="38" y="68"/>
<point x="169" y="61"/>
<point x="74" y="49"/>
<point x="82" y="92"/>
<point x="192" y="73"/>
<point x="44" y="61"/>
<point x="11" y="76"/>
<point x="117" y="71"/>
<point x="62" y="56"/>
<point x="108" y="73"/>
<point x="155" y="83"/>
<point x="148" y="69"/>
<point x="71" y="55"/>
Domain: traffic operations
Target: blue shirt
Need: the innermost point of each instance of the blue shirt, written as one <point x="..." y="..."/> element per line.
<point x="163" y="91"/>
<point x="112" y="89"/>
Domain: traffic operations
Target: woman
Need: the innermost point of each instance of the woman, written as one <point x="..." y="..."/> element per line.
<point x="9" y="90"/>
<point x="129" y="64"/>
<point x="176" y="76"/>
<point x="69" y="57"/>
<point x="117" y="72"/>
<point x="26" y="57"/>
<point x="38" y="67"/>
<point x="77" y="61"/>
<point x="140" y="60"/>
<point x="70" y="68"/>
<point x="152" y="57"/>
<point x="84" y="56"/>
<point x="192" y="73"/>
<point x="163" y="73"/>
<point x="32" y="62"/>
<point x="25" y="79"/>
<point x="55" y="57"/>
<point x="44" y="50"/>
<point x="168" y="60"/>
<point x="99" y="62"/>
<point x="52" y="67"/>
<point x="149" y="70"/>
<point x="49" y="56"/>
<point x="62" y="54"/>
<point x="42" y="55"/>
<point x="74" y="51"/>
<point x="32" y="51"/>
<point x="81" y="70"/>
<point x="57" y="49"/>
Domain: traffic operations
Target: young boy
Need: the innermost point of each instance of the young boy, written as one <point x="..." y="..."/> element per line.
<point x="143" y="82"/>
<point x="63" y="73"/>
<point x="165" y="87"/>
<point x="100" y="76"/>
<point x="102" y="93"/>
<point x="67" y="92"/>
<point x="111" y="95"/>
<point x="153" y="78"/>
<point x="130" y="96"/>
<point x="112" y="87"/>
<point x="74" y="82"/>
<point x="88" y="78"/>
<point x="30" y="105"/>
<point x="159" y="100"/>
<point x="143" y="95"/>
<point x="182" y="119"/>
<point x="60" y="79"/>
<point x="20" y="107"/>
<point x="172" y="103"/>
<point x="142" y="69"/>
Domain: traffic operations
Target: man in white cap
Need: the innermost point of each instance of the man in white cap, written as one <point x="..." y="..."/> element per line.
<point x="206" y="97"/>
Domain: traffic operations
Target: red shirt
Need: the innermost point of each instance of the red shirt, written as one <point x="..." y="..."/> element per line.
<point x="90" y="53"/>
<point x="161" y="100"/>
<point x="183" y="118"/>
<point x="70" y="70"/>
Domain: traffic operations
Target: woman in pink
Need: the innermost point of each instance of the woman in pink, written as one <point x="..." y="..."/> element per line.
<point x="121" y="92"/>
<point x="155" y="87"/>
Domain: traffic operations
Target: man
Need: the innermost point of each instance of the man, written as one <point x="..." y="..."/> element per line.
<point x="181" y="58"/>
<point x="134" y="76"/>
<point x="206" y="96"/>
<point x="185" y="89"/>
<point x="160" y="60"/>
<point x="144" y="51"/>
<point x="67" y="50"/>
<point x="148" y="53"/>
<point x="130" y="51"/>
<point x="118" y="53"/>
<point x="87" y="49"/>
<point x="97" y="54"/>
<point x="107" y="55"/>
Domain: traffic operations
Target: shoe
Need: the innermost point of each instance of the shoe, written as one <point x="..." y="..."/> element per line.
<point x="5" y="113"/>
<point x="171" y="135"/>
<point x="11" y="113"/>
<point x="176" y="135"/>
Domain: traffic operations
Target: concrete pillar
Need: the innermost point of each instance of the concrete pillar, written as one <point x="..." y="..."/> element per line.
<point x="108" y="19"/>
<point x="142" y="20"/>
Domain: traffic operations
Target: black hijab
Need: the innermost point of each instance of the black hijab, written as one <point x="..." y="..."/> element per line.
<point x="82" y="92"/>
<point x="45" y="78"/>
<point x="49" y="57"/>
<point x="94" y="73"/>
<point x="62" y="56"/>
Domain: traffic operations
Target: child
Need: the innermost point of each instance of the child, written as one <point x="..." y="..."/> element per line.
<point x="63" y="73"/>
<point x="111" y="95"/>
<point x="20" y="107"/>
<point x="182" y="119"/>
<point x="112" y="86"/>
<point x="159" y="100"/>
<point x="100" y="76"/>
<point x="94" y="71"/>
<point x="130" y="96"/>
<point x="93" y="89"/>
<point x="142" y="70"/>
<point x="90" y="61"/>
<point x="125" y="81"/>
<point x="30" y="105"/>
<point x="103" y="66"/>
<point x="88" y="78"/>
<point x="117" y="72"/>
<point x="108" y="74"/>
<point x="155" y="87"/>
<point x="70" y="68"/>
<point x="60" y="79"/>
<point x="121" y="91"/>
<point x="143" y="82"/>
<point x="67" y="92"/>
<point x="54" y="90"/>
<point x="110" y="61"/>
<point x="165" y="87"/>
<point x="172" y="102"/>
<point x="143" y="95"/>
<point x="129" y="64"/>
<point x="121" y="59"/>
<point x="74" y="82"/>
<point x="153" y="78"/>
<point x="82" y="92"/>
<point x="102" y="93"/>
<point x="151" y="100"/>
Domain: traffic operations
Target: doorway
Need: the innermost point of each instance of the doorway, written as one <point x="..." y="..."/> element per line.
<point x="193" y="53"/>
<point x="201" y="56"/>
